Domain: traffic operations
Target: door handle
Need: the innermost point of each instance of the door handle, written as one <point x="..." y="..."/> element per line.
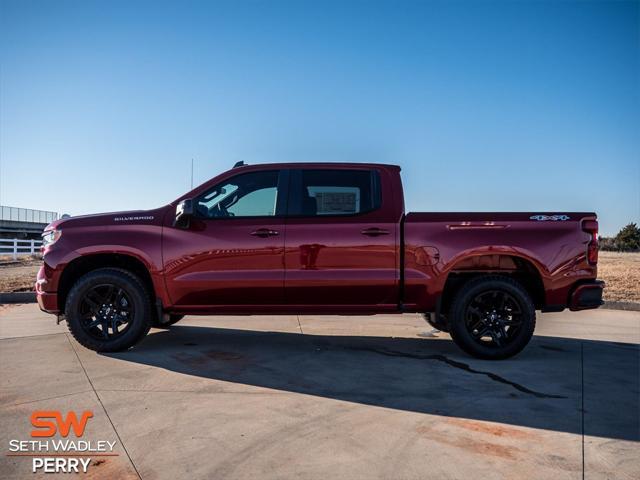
<point x="374" y="232"/>
<point x="264" y="233"/>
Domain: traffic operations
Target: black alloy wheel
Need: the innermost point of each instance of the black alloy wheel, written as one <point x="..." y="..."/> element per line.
<point x="108" y="310"/>
<point x="492" y="317"/>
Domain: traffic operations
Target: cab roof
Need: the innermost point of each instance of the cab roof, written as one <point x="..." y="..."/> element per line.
<point x="293" y="165"/>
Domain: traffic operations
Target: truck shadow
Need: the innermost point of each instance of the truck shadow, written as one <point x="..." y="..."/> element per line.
<point x="548" y="386"/>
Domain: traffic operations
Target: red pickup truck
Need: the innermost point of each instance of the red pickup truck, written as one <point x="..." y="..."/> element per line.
<point x="319" y="238"/>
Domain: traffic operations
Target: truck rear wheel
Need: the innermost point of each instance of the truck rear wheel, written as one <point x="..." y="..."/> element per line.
<point x="492" y="317"/>
<point x="108" y="310"/>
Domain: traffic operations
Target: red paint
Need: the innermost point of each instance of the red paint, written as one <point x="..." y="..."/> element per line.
<point x="325" y="264"/>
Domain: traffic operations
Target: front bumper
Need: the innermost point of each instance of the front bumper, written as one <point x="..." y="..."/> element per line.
<point x="586" y="296"/>
<point x="47" y="301"/>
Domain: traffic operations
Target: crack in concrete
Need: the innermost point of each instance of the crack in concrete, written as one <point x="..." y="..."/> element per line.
<point x="47" y="398"/>
<point x="199" y="392"/>
<point x="33" y="336"/>
<point x="103" y="407"/>
<point x="462" y="366"/>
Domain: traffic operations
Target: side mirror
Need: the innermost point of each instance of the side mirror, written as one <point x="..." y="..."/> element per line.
<point x="184" y="213"/>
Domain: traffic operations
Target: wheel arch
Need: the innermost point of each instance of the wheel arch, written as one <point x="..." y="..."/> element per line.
<point x="87" y="263"/>
<point x="517" y="267"/>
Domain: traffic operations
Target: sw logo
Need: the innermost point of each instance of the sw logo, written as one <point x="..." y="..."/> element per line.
<point x="48" y="422"/>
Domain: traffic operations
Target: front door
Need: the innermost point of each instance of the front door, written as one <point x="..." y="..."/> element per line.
<point x="232" y="254"/>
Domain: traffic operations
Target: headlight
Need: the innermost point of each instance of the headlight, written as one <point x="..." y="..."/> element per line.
<point x="50" y="237"/>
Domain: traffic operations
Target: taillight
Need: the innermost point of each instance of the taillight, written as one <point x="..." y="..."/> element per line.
<point x="591" y="227"/>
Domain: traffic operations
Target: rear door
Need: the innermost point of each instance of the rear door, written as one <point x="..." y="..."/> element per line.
<point x="342" y="239"/>
<point x="232" y="256"/>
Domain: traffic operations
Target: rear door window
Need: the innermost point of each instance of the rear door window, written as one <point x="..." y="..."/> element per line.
<point x="337" y="192"/>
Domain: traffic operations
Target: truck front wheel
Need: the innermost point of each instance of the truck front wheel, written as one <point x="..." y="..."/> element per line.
<point x="108" y="310"/>
<point x="492" y="317"/>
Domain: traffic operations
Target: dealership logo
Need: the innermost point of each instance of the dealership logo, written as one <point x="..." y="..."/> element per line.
<point x="48" y="428"/>
<point x="66" y="455"/>
<point x="554" y="218"/>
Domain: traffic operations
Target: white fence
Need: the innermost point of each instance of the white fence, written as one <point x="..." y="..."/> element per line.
<point x="15" y="247"/>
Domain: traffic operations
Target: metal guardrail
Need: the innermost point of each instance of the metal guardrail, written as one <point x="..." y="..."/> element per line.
<point x="16" y="247"/>
<point x="27" y="215"/>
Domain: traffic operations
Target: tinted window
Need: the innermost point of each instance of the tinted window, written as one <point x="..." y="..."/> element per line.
<point x="248" y="195"/>
<point x="339" y="192"/>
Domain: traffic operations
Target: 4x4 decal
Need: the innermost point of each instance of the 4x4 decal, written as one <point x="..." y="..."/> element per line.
<point x="555" y="218"/>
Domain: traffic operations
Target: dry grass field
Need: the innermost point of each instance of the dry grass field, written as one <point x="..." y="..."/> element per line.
<point x="19" y="275"/>
<point x="621" y="271"/>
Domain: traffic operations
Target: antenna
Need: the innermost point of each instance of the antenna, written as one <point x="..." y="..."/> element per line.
<point x="192" y="174"/>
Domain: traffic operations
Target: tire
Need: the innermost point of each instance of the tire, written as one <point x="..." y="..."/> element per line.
<point x="108" y="310"/>
<point x="166" y="321"/>
<point x="492" y="317"/>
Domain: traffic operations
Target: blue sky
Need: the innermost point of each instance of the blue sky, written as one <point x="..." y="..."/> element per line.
<point x="485" y="105"/>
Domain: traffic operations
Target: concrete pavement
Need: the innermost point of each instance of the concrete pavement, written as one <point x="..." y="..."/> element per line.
<point x="334" y="397"/>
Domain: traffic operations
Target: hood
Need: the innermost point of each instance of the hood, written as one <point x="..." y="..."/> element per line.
<point x="129" y="217"/>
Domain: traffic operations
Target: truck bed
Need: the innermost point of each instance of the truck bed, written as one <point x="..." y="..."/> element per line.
<point x="551" y="244"/>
